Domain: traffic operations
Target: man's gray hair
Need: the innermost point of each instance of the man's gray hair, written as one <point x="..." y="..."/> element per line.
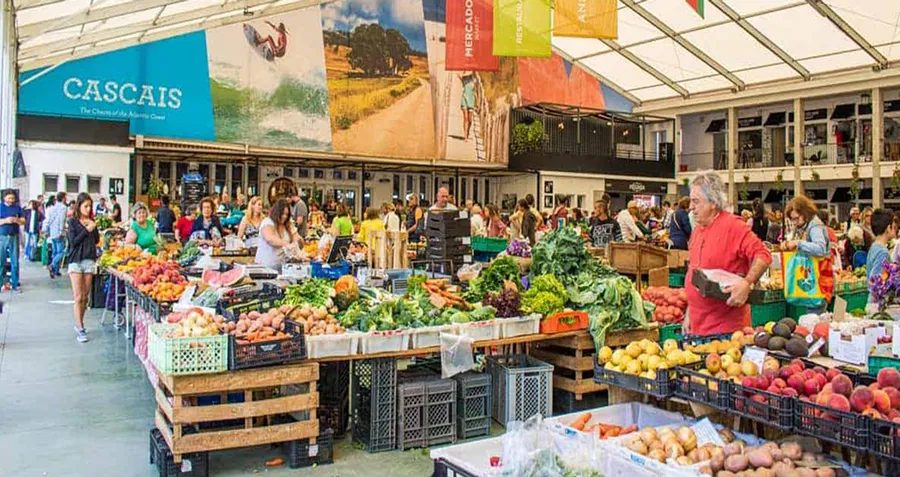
<point x="711" y="188"/>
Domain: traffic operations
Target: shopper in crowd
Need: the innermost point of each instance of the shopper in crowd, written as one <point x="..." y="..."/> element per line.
<point x="343" y="223"/>
<point x="415" y="219"/>
<point x="759" y="223"/>
<point x="668" y="214"/>
<point x="34" y="218"/>
<point x="442" y="201"/>
<point x="853" y="219"/>
<point x="331" y="210"/>
<point x="721" y="241"/>
<point x="604" y="229"/>
<point x="515" y="223"/>
<point x="883" y="227"/>
<point x="300" y="214"/>
<point x="855" y="248"/>
<point x="101" y="208"/>
<point x="372" y="223"/>
<point x="40" y="201"/>
<point x="316" y="217"/>
<point x="810" y="234"/>
<point x="248" y="230"/>
<point x="70" y="211"/>
<point x="277" y="235"/>
<point x="824" y="216"/>
<point x="241" y="203"/>
<point x="83" y="238"/>
<point x="207" y="230"/>
<point x="391" y="219"/>
<point x="116" y="209"/>
<point x="576" y="217"/>
<point x="54" y="230"/>
<point x="776" y="227"/>
<point x="165" y="217"/>
<point x="224" y="205"/>
<point x="560" y="214"/>
<point x="627" y="219"/>
<point x="529" y="221"/>
<point x="469" y="204"/>
<point x="494" y="226"/>
<point x="867" y="221"/>
<point x="12" y="217"/>
<point x="142" y="231"/>
<point x="477" y="221"/>
<point x="680" y="228"/>
<point x="533" y="209"/>
<point x="451" y="199"/>
<point x="185" y="224"/>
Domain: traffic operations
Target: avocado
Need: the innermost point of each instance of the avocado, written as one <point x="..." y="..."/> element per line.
<point x="797" y="348"/>
<point x="777" y="343"/>
<point x="781" y="330"/>
<point x="761" y="339"/>
<point x="789" y="322"/>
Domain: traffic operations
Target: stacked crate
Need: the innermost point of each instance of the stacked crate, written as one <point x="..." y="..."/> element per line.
<point x="334" y="397"/>
<point x="374" y="386"/>
<point x="449" y="236"/>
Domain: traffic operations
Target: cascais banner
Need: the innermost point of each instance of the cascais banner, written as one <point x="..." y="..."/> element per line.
<point x="522" y="28"/>
<point x="470" y="36"/>
<point x="586" y="18"/>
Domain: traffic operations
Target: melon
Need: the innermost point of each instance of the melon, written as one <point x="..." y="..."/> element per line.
<point x="224" y="279"/>
<point x="346" y="292"/>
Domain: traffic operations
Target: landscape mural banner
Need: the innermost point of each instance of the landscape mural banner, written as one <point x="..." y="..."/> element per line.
<point x="522" y="28"/>
<point x="586" y="18"/>
<point x="470" y="36"/>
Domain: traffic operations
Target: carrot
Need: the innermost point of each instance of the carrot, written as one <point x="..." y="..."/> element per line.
<point x="584" y="417"/>
<point x="628" y="430"/>
<point x="613" y="433"/>
<point x="577" y="425"/>
<point x="274" y="462"/>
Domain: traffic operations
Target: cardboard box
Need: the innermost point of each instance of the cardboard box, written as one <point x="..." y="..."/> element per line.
<point x="854" y="349"/>
<point x="678" y="258"/>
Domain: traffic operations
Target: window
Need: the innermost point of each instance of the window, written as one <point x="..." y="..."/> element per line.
<point x="318" y="174"/>
<point x="463" y="193"/>
<point x="93" y="185"/>
<point x="487" y="191"/>
<point x="252" y="181"/>
<point x="165" y="174"/>
<point x="304" y="173"/>
<point x="409" y="185"/>
<point x="221" y="177"/>
<point x="288" y="172"/>
<point x="351" y="175"/>
<point x="51" y="183"/>
<point x="204" y="173"/>
<point x="338" y="175"/>
<point x="73" y="183"/>
<point x="181" y="168"/>
<point x="396" y="189"/>
<point x="237" y="180"/>
<point x="147" y="170"/>
<point x="423" y="187"/>
<point x="475" y="197"/>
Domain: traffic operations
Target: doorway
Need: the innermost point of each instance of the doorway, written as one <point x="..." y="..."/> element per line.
<point x="777" y="145"/>
<point x="720" y="151"/>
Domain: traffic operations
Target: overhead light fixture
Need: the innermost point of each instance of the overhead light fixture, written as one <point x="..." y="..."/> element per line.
<point x="865" y="98"/>
<point x="247" y="12"/>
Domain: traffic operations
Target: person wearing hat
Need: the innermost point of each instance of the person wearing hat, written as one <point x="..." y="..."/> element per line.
<point x="630" y="231"/>
<point x="142" y="231"/>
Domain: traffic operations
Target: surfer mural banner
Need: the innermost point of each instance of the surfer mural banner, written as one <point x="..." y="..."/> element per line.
<point x="470" y="36"/>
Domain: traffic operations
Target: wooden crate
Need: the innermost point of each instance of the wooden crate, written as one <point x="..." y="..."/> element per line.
<point x="264" y="413"/>
<point x="388" y="250"/>
<point x="636" y="258"/>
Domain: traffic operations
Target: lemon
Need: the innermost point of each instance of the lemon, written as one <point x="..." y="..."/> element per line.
<point x="625" y="360"/>
<point x="669" y="346"/>
<point x="604" y="355"/>
<point x="634" y="350"/>
<point x="617" y="357"/>
<point x="633" y="368"/>
<point x="610" y="366"/>
<point x="653" y="363"/>
<point x="642" y="360"/>
<point x="674" y="358"/>
<point x="651" y="348"/>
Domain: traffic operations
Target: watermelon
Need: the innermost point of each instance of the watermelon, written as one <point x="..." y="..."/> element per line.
<point x="226" y="279"/>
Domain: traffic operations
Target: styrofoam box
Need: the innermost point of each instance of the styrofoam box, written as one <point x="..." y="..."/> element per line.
<point x="384" y="342"/>
<point x="325" y="346"/>
<point x="480" y="330"/>
<point x="429" y="336"/>
<point x="856" y="349"/>
<point x="525" y="325"/>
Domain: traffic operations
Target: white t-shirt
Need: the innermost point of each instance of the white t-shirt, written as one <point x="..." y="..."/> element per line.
<point x="266" y="254"/>
<point x="392" y="222"/>
<point x="477" y="226"/>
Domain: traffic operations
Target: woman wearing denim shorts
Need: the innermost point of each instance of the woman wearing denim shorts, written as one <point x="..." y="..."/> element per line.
<point x="83" y="238"/>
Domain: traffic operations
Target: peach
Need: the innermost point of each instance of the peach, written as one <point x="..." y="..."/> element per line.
<point x="893" y="413"/>
<point x="832" y="373"/>
<point x="780" y="383"/>
<point x="774" y="389"/>
<point x="819" y="370"/>
<point x="862" y="398"/>
<point x="812" y="387"/>
<point x="789" y="392"/>
<point x="874" y="386"/>
<point x="842" y="385"/>
<point x="894" y="394"/>
<point x="798" y="363"/>
<point x="821" y="379"/>
<point x="871" y="412"/>
<point x="882" y="401"/>
<point x="839" y="402"/>
<point x="827" y="388"/>
<point x="823" y="398"/>
<point x="797" y="382"/>
<point x="889" y="378"/>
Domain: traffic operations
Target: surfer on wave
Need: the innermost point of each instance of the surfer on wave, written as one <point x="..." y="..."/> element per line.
<point x="271" y="48"/>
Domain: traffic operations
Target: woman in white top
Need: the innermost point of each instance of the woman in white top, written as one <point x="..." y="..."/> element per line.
<point x="248" y="231"/>
<point x="276" y="233"/>
<point x="391" y="219"/>
<point x="477" y="221"/>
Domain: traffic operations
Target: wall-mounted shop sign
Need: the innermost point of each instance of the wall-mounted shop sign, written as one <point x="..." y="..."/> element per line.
<point x="811" y="115"/>
<point x="636" y="187"/>
<point x="116" y="186"/>
<point x="753" y="122"/>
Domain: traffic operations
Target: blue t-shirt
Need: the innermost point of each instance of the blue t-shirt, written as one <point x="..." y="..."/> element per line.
<point x="10" y="211"/>
<point x="875" y="260"/>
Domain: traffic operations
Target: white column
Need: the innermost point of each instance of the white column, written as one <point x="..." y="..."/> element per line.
<point x="676" y="140"/>
<point x="799" y="137"/>
<point x="877" y="146"/>
<point x="732" y="145"/>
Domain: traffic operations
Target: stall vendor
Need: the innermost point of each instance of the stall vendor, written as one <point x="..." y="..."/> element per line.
<point x="721" y="241"/>
<point x="248" y="231"/>
<point x="207" y="229"/>
<point x="142" y="231"/>
<point x="276" y="234"/>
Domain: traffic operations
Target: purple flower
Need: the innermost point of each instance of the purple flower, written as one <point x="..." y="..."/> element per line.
<point x="885" y="288"/>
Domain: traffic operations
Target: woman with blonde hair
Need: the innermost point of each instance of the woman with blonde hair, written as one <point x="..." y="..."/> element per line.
<point x="248" y="230"/>
<point x="495" y="226"/>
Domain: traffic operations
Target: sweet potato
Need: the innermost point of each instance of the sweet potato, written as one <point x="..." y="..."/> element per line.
<point x="274" y="462"/>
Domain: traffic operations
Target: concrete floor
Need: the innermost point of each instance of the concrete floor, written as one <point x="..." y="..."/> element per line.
<point x="71" y="409"/>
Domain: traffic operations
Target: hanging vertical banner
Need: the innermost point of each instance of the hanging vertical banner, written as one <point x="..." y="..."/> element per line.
<point x="697" y="5"/>
<point x="522" y="28"/>
<point x="586" y="19"/>
<point x="470" y="32"/>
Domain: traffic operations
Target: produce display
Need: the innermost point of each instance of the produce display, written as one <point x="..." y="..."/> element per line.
<point x="507" y="303"/>
<point x="103" y="222"/>
<point x="115" y="256"/>
<point x="786" y="336"/>
<point x="194" y="323"/>
<point x="314" y="292"/>
<point x="851" y="279"/>
<point x="768" y="460"/>
<point x="161" y="281"/>
<point x="519" y="248"/>
<point x="678" y="445"/>
<point x="223" y="279"/>
<point x="610" y="300"/>
<point x="561" y="253"/>
<point x="599" y="429"/>
<point x="189" y="254"/>
<point x="671" y="303"/>
<point x="546" y="296"/>
<point x="493" y="278"/>
<point x="643" y="358"/>
<point x="443" y="295"/>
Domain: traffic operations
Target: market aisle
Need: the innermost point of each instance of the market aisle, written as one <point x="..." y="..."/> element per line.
<point x="70" y="409"/>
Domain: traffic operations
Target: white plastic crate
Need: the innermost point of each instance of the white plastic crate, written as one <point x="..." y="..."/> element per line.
<point x="429" y="336"/>
<point x="525" y="325"/>
<point x="384" y="342"/>
<point x="480" y="330"/>
<point x="325" y="346"/>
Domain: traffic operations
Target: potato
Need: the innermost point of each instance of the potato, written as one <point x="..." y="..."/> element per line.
<point x="736" y="463"/>
<point x="687" y="438"/>
<point x="717" y="462"/>
<point x="657" y="445"/>
<point x="760" y="458"/>
<point x="267" y="320"/>
<point x="791" y="450"/>
<point x="648" y="435"/>
<point x="706" y="470"/>
<point x="703" y="455"/>
<point x="684" y="461"/>
<point x="674" y="451"/>
<point x="733" y="449"/>
<point x="658" y="455"/>
<point x="824" y="472"/>
<point x="805" y="472"/>
<point x="725" y="473"/>
<point x="277" y="322"/>
<point x="781" y="469"/>
<point x="693" y="455"/>
<point x="764" y="472"/>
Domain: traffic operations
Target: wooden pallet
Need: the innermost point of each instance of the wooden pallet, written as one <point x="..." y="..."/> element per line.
<point x="264" y="410"/>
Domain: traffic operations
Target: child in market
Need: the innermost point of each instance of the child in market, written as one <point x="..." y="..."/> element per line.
<point x="884" y="231"/>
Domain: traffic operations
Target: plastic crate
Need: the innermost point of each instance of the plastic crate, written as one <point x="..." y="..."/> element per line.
<point x="192" y="465"/>
<point x="429" y="336"/>
<point x="768" y="408"/>
<point x="334" y="380"/>
<point x="332" y="272"/>
<point x="335" y="415"/>
<point x="156" y="309"/>
<point x="181" y="356"/>
<point x="767" y="312"/>
<point x="325" y="346"/>
<point x="384" y="342"/>
<point x="260" y="304"/>
<point x="660" y="387"/>
<point x="676" y="279"/>
<point x="374" y="398"/>
<point x="523" y="387"/>
<point x="884" y="439"/>
<point x="301" y="454"/>
<point x="856" y="301"/>
<point x="265" y="353"/>
<point x="847" y="429"/>
<point x="564" y="321"/>
<point x="670" y="332"/>
<point x="426" y="413"/>
<point x="525" y="325"/>
<point x="694" y="386"/>
<point x="267" y="292"/>
<point x="877" y="363"/>
<point x="487" y="244"/>
<point x="480" y="330"/>
<point x="473" y="404"/>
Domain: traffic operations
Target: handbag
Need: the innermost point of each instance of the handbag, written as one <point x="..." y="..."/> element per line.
<point x="808" y="281"/>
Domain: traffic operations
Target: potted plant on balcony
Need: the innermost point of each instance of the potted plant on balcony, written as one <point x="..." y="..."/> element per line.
<point x="855" y="183"/>
<point x="895" y="182"/>
<point x="779" y="181"/>
<point x="745" y="189"/>
<point x="527" y="137"/>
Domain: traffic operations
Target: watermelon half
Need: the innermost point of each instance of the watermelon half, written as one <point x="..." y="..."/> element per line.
<point x="223" y="279"/>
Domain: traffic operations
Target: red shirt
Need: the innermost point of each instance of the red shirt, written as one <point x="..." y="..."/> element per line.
<point x="184" y="226"/>
<point x="728" y="244"/>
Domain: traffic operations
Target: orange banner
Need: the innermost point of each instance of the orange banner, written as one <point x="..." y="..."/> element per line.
<point x="586" y="19"/>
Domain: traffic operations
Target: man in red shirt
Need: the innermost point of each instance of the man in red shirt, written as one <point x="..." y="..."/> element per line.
<point x="721" y="240"/>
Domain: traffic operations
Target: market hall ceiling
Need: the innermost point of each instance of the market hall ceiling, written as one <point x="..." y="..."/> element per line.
<point x="664" y="50"/>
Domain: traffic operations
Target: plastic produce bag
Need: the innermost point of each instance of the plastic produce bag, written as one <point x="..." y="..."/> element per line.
<point x="456" y="354"/>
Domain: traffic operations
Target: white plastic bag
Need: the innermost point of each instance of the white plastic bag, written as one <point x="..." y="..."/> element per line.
<point x="456" y="354"/>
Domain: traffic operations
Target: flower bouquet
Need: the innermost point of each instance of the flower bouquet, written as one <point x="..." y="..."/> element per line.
<point x="885" y="291"/>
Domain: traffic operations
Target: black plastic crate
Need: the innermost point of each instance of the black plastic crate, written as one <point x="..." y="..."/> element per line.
<point x="157" y="310"/>
<point x="847" y="429"/>
<point x="660" y="388"/>
<point x="373" y="384"/>
<point x="334" y="381"/>
<point x="884" y="439"/>
<point x="301" y="453"/>
<point x="268" y="292"/>
<point x="473" y="404"/>
<point x="192" y="465"/>
<point x="694" y="386"/>
<point x="762" y="406"/>
<point x="701" y="339"/>
<point x="260" y="304"/>
<point x="265" y="353"/>
<point x="334" y="415"/>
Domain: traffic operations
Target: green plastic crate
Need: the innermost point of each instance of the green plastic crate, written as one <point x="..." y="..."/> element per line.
<point x="670" y="332"/>
<point x="181" y="356"/>
<point x="676" y="279"/>
<point x="487" y="244"/>
<point x="768" y="312"/>
<point x="795" y="311"/>
<point x="855" y="301"/>
<point x="877" y="363"/>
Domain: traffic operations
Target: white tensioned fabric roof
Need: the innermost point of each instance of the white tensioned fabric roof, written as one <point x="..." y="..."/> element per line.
<point x="664" y="49"/>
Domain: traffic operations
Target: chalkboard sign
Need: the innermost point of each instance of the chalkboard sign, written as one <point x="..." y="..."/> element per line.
<point x="192" y="191"/>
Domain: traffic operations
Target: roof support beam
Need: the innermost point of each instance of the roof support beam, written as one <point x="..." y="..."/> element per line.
<point x="762" y="39"/>
<point x="69" y="55"/>
<point x="23" y="4"/>
<point x="646" y="67"/>
<point x="615" y="87"/>
<point x="90" y="38"/>
<point x="669" y="32"/>
<point x="846" y="29"/>
<point x="88" y="16"/>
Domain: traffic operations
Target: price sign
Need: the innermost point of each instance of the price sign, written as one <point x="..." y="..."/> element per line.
<point x="756" y="356"/>
<point x="707" y="433"/>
